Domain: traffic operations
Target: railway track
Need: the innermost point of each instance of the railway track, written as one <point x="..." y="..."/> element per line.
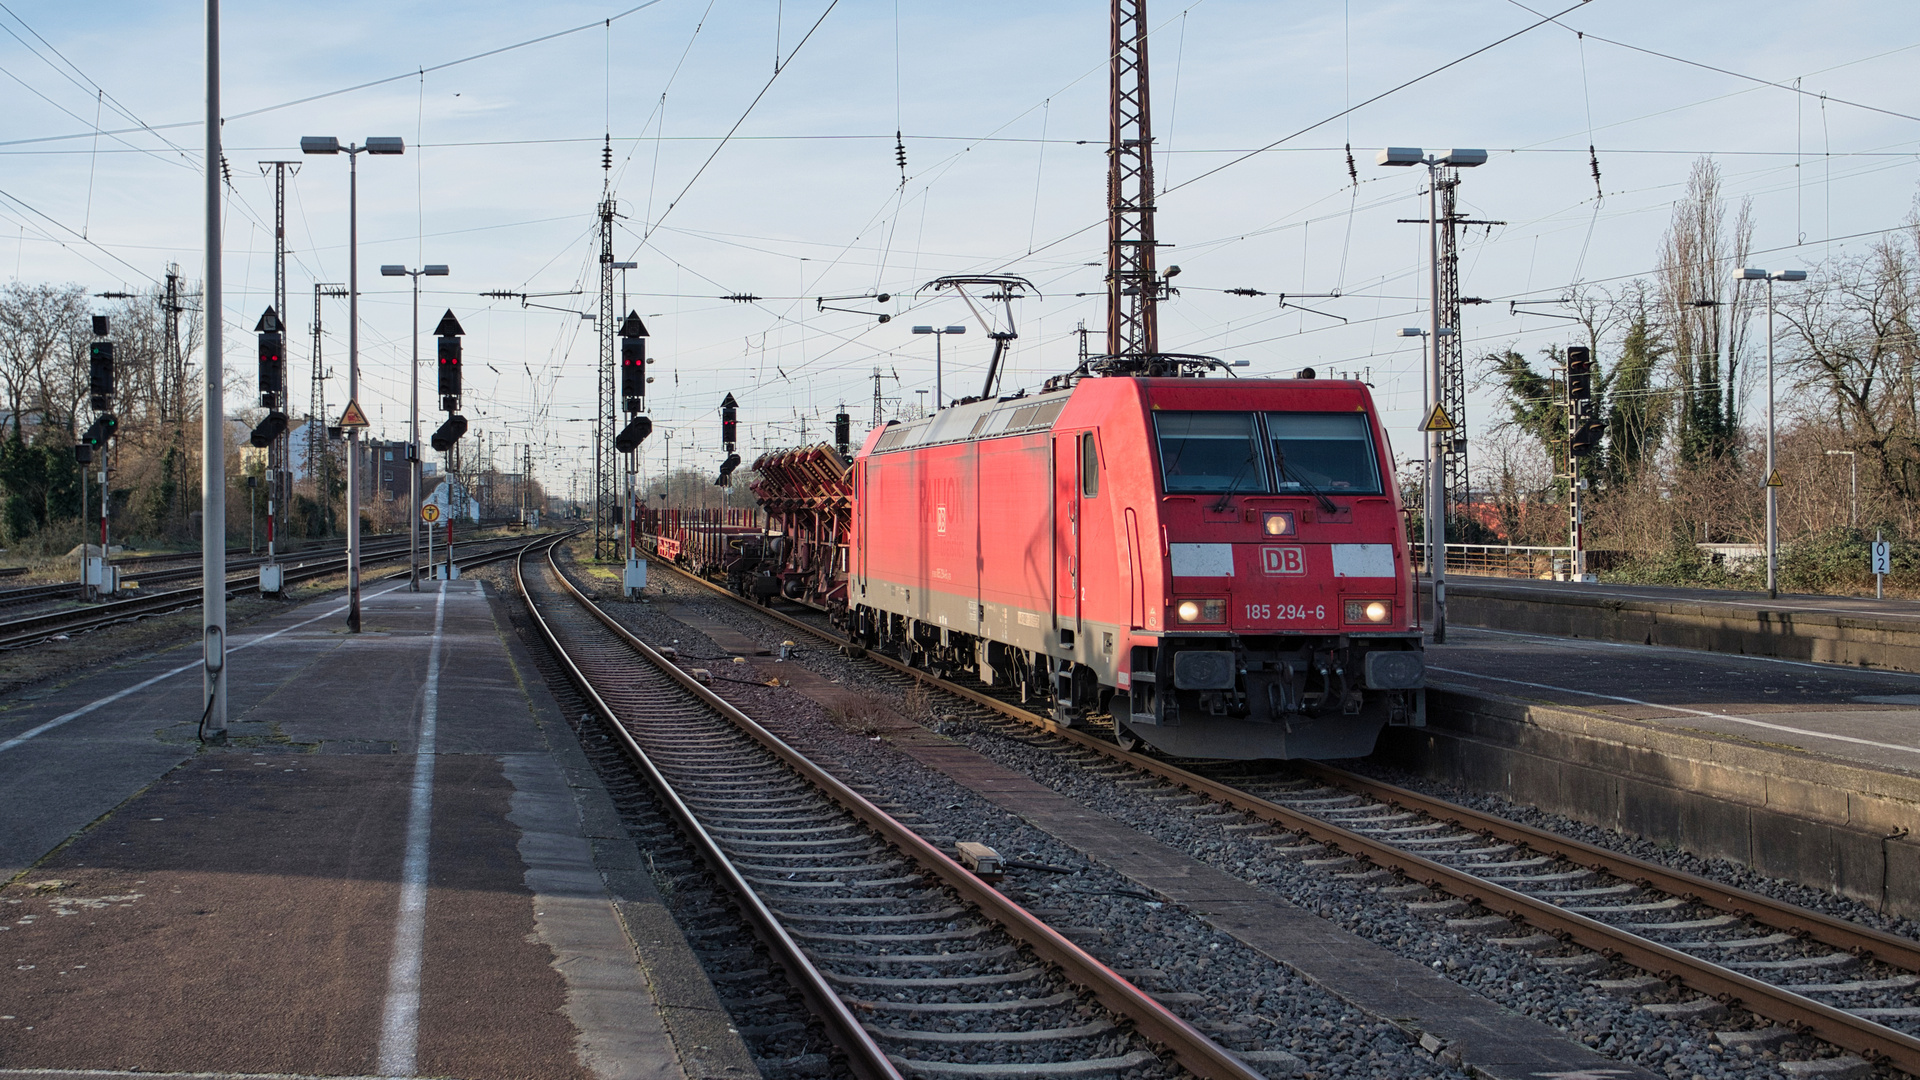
<point x="1850" y="985"/>
<point x="236" y="562"/>
<point x="914" y="965"/>
<point x="35" y="629"/>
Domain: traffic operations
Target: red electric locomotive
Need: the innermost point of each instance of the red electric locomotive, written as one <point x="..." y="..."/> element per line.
<point x="1219" y="565"/>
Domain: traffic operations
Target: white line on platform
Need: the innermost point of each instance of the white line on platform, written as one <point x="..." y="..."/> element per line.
<point x="1784" y="607"/>
<point x="400" y="1023"/>
<point x="1679" y="653"/>
<point x="1684" y="709"/>
<point x="142" y="685"/>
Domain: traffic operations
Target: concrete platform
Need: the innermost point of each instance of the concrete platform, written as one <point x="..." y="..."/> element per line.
<point x="1828" y="629"/>
<point x="401" y="865"/>
<point x="1801" y="770"/>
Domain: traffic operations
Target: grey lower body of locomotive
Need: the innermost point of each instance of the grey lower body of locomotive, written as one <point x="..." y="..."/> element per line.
<point x="1281" y="697"/>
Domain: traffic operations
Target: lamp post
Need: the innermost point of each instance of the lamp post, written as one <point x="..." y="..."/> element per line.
<point x="413" y="416"/>
<point x="938" y="332"/>
<point x="1433" y="527"/>
<point x="1752" y="273"/>
<point x="1853" y="486"/>
<point x="327" y="144"/>
<point x="1436" y="489"/>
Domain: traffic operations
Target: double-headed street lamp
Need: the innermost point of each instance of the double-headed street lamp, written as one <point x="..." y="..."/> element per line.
<point x="1436" y="486"/>
<point x="413" y="414"/>
<point x="327" y="144"/>
<point x="938" y="332"/>
<point x="1753" y="273"/>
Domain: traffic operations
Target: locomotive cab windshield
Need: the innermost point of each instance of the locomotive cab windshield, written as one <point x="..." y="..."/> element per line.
<point x="1307" y="453"/>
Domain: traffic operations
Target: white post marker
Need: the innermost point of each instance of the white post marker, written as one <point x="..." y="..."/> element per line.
<point x="1882" y="563"/>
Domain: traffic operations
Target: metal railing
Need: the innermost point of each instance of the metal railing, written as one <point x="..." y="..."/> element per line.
<point x="1504" y="560"/>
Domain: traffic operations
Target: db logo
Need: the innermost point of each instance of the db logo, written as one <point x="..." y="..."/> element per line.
<point x="1283" y="560"/>
<point x="940" y="519"/>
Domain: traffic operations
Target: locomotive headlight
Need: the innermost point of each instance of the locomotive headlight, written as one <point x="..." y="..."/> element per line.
<point x="1368" y="611"/>
<point x="1280" y="524"/>
<point x="1201" y="611"/>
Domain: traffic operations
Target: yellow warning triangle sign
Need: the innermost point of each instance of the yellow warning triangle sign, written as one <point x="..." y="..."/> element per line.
<point x="1773" y="479"/>
<point x="1437" y="420"/>
<point x="353" y="417"/>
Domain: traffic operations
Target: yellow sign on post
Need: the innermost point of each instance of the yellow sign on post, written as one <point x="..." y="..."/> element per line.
<point x="353" y="416"/>
<point x="429" y="512"/>
<point x="1437" y="420"/>
<point x="1773" y="479"/>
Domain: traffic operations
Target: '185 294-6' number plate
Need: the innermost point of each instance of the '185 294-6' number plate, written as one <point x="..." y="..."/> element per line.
<point x="1285" y="612"/>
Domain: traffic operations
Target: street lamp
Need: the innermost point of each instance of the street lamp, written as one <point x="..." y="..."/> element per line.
<point x="413" y="414"/>
<point x="1753" y="273"/>
<point x="938" y="333"/>
<point x="1435" y="556"/>
<point x="1436" y="489"/>
<point x="327" y="144"/>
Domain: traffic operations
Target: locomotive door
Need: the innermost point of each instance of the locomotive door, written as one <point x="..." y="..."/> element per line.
<point x="1066" y="533"/>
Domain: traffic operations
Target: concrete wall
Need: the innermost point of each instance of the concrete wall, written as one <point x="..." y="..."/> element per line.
<point x="1824" y="823"/>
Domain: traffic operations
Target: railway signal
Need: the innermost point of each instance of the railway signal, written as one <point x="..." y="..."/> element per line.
<point x="104" y="428"/>
<point x="449" y="433"/>
<point x="843" y="432"/>
<point x="273" y="380"/>
<point x="1583" y="430"/>
<point x="633" y="366"/>
<point x="726" y="470"/>
<point x="633" y="435"/>
<point x="449" y="332"/>
<point x="100" y="369"/>
<point x="729" y="424"/>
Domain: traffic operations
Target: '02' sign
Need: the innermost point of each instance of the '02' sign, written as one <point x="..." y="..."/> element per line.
<point x="1283" y="560"/>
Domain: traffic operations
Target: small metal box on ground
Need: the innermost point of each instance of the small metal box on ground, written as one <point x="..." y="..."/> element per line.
<point x="273" y="578"/>
<point x="636" y="577"/>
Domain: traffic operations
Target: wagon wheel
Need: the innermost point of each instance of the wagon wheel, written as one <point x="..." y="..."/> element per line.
<point x="1123" y="734"/>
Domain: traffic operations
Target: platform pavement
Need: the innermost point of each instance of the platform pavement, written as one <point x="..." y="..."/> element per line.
<point x="402" y="864"/>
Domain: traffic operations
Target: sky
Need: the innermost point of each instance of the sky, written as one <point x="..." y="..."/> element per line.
<point x="753" y="154"/>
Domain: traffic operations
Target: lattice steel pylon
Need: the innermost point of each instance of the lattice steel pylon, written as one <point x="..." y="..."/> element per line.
<point x="279" y="470"/>
<point x="607" y="540"/>
<point x="1452" y="351"/>
<point x="1133" y="289"/>
<point x="1453" y="348"/>
<point x="319" y="443"/>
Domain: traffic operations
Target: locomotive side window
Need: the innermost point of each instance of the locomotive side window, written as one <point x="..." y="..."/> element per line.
<point x="1210" y="451"/>
<point x="1089" y="467"/>
<point x="1328" y="452"/>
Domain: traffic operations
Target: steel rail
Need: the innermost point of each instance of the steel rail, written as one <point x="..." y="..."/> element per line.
<point x="29" y="592"/>
<point x="33" y="629"/>
<point x="1776" y="1003"/>
<point x="1194" y="1051"/>
<point x="1801" y="922"/>
<point x="864" y="1055"/>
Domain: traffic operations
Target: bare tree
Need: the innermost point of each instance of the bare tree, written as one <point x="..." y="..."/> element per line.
<point x="1856" y="350"/>
<point x="36" y="328"/>
<point x="1706" y="312"/>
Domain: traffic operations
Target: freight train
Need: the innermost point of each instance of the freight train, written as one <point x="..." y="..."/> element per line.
<point x="1219" y="565"/>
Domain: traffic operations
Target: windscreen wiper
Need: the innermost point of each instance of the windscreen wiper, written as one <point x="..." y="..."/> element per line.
<point x="1287" y="473"/>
